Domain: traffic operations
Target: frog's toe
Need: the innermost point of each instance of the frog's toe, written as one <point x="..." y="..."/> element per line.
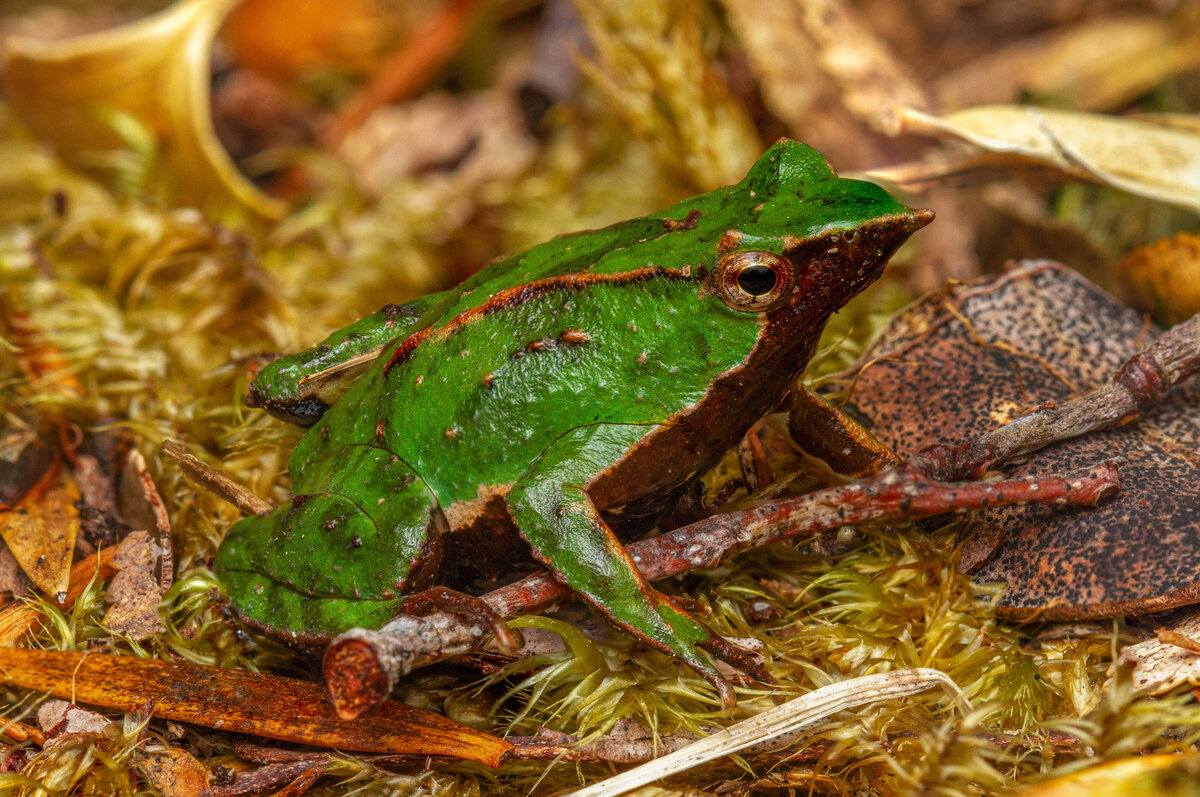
<point x="746" y="661"/>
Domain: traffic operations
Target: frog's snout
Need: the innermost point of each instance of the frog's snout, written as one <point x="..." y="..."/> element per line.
<point x="920" y="218"/>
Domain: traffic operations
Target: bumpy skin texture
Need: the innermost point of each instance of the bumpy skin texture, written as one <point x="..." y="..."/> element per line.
<point x="583" y="381"/>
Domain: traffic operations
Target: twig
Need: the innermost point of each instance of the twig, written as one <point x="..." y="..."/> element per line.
<point x="361" y="666"/>
<point x="1142" y="380"/>
<point x="215" y="481"/>
<point x="407" y="69"/>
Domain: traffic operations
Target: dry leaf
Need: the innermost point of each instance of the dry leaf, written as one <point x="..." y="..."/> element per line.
<point x="141" y="507"/>
<point x="242" y="702"/>
<point x="1097" y="64"/>
<point x="134" y="593"/>
<point x="40" y="531"/>
<point x="172" y="771"/>
<point x="17" y="619"/>
<point x="965" y="361"/>
<point x="1164" y="276"/>
<point x="1160" y="665"/>
<point x="155" y="70"/>
<point x="1162" y="775"/>
<point x="58" y="718"/>
<point x="1159" y="161"/>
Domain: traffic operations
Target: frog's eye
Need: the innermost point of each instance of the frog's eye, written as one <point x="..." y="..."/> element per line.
<point x="753" y="280"/>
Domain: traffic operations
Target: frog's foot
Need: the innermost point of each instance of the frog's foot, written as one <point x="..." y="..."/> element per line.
<point x="470" y="609"/>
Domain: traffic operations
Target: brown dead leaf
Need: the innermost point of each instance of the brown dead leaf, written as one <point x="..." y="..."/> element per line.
<point x="1160" y="663"/>
<point x="172" y="771"/>
<point x="964" y="362"/>
<point x="141" y="507"/>
<point x="134" y="593"/>
<point x="244" y="702"/>
<point x="1158" y="161"/>
<point x="155" y="70"/>
<point x="58" y="718"/>
<point x="40" y="531"/>
<point x="1097" y="64"/>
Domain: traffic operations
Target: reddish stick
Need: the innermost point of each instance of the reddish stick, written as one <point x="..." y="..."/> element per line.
<point x="361" y="666"/>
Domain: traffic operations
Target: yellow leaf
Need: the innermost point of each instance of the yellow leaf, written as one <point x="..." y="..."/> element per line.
<point x="40" y="531"/>
<point x="73" y="92"/>
<point x="1161" y="775"/>
<point x="1160" y="161"/>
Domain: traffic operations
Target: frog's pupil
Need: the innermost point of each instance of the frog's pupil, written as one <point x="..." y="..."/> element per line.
<point x="757" y="280"/>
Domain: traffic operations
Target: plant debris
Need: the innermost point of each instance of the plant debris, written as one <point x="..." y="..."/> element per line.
<point x="146" y="266"/>
<point x="1020" y="352"/>
<point x="263" y="705"/>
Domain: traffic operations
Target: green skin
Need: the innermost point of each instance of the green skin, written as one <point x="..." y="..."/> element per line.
<point x="586" y="380"/>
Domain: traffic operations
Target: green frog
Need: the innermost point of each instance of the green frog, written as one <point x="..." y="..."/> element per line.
<point x="568" y="393"/>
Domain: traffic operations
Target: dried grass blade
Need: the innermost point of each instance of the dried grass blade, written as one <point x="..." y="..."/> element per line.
<point x="767" y="728"/>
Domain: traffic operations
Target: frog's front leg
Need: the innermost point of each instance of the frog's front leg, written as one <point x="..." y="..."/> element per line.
<point x="300" y="387"/>
<point x="832" y="436"/>
<point x="555" y="514"/>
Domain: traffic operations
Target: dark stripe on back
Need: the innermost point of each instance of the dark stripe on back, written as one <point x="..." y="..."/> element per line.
<point x="518" y="295"/>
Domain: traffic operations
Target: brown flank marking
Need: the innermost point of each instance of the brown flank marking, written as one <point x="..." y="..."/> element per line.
<point x="519" y="295"/>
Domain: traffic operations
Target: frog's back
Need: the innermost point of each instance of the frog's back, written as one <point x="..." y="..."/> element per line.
<point x="608" y="326"/>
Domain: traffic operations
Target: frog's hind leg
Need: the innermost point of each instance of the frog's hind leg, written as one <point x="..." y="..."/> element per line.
<point x="555" y="514"/>
<point x="330" y="561"/>
<point x="300" y="387"/>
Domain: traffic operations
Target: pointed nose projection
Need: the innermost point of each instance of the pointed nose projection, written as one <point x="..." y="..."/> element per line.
<point x="860" y="251"/>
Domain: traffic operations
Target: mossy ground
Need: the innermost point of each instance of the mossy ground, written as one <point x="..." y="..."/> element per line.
<point x="157" y="312"/>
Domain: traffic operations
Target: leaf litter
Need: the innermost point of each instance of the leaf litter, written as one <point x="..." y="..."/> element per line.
<point x="155" y="309"/>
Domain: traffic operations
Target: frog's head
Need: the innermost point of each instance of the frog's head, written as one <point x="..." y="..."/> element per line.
<point x="814" y="241"/>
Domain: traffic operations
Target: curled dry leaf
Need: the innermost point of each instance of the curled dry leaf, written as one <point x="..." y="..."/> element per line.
<point x="1159" y="161"/>
<point x="155" y="70"/>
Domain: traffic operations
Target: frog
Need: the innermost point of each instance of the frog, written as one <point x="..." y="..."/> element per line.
<point x="565" y="396"/>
